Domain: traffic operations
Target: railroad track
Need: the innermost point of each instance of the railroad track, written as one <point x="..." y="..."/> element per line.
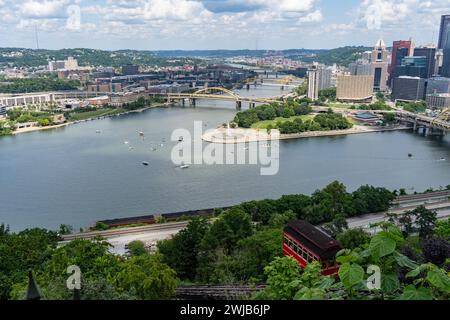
<point x="220" y="292"/>
<point x="429" y="195"/>
<point x="125" y="231"/>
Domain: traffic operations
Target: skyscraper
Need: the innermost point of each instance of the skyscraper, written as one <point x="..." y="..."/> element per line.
<point x="430" y="54"/>
<point x="313" y="83"/>
<point x="380" y="66"/>
<point x="444" y="44"/>
<point x="400" y="50"/>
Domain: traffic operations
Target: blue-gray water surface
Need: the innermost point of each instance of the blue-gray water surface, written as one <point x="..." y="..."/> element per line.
<point x="76" y="176"/>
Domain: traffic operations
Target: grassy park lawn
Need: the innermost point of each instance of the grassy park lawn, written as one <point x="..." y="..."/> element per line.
<point x="76" y="116"/>
<point x="264" y="124"/>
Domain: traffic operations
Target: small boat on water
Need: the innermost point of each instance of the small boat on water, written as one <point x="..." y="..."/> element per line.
<point x="125" y="142"/>
<point x="145" y="163"/>
<point x="442" y="159"/>
<point x="98" y="131"/>
<point x="184" y="166"/>
<point x="180" y="139"/>
<point x="410" y="155"/>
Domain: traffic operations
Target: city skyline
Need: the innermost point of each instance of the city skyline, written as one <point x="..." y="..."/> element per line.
<point x="216" y="24"/>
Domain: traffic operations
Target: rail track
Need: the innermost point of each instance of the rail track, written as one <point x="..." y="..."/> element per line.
<point x="124" y="231"/>
<point x="220" y="292"/>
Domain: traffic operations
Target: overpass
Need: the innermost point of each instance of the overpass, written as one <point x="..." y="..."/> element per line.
<point x="430" y="125"/>
<point x="218" y="93"/>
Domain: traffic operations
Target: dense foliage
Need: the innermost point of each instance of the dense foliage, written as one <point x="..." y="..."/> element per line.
<point x="415" y="107"/>
<point x="375" y="269"/>
<point x="231" y="250"/>
<point x="39" y="84"/>
<point x="243" y="245"/>
<point x="341" y="56"/>
<point x="104" y="275"/>
<point x="292" y="109"/>
<point x="87" y="57"/>
<point x="247" y="118"/>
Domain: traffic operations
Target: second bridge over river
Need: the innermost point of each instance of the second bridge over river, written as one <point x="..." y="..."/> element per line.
<point x="217" y="93"/>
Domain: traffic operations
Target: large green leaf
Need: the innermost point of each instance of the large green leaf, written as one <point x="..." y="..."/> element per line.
<point x="389" y="282"/>
<point x="351" y="274"/>
<point x="381" y="246"/>
<point x="404" y="261"/>
<point x="439" y="279"/>
<point x="411" y="293"/>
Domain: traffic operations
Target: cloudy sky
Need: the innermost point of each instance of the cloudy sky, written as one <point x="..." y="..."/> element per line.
<point x="216" y="24"/>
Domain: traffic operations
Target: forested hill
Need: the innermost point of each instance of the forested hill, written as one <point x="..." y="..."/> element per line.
<point x="19" y="57"/>
<point x="340" y="56"/>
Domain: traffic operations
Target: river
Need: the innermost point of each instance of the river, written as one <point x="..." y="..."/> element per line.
<point x="75" y="176"/>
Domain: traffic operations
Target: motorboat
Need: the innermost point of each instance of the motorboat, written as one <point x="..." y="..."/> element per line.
<point x="145" y="163"/>
<point x="410" y="155"/>
<point x="184" y="166"/>
<point x="180" y="139"/>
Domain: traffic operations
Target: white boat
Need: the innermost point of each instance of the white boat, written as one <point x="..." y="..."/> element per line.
<point x="184" y="166"/>
<point x="145" y="163"/>
<point x="126" y="142"/>
<point x="180" y="139"/>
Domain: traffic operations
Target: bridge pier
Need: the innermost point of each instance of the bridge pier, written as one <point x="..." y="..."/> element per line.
<point x="238" y="105"/>
<point x="182" y="102"/>
<point x="252" y="105"/>
<point x="435" y="132"/>
<point x="192" y="102"/>
<point x="247" y="86"/>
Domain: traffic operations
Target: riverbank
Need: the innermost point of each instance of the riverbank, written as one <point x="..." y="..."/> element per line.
<point x="241" y="135"/>
<point x="32" y="129"/>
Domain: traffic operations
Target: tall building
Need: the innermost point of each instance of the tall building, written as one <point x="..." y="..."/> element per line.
<point x="71" y="64"/>
<point x="313" y="83"/>
<point x="325" y="75"/>
<point x="444" y="44"/>
<point x="56" y="65"/>
<point x="354" y="88"/>
<point x="408" y="88"/>
<point x="413" y="67"/>
<point x="438" y="100"/>
<point x="380" y="66"/>
<point x="130" y="69"/>
<point x="430" y="55"/>
<point x="319" y="77"/>
<point x="438" y="85"/>
<point x="360" y="68"/>
<point x="400" y="50"/>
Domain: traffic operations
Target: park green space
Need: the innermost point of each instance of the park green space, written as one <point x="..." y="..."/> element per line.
<point x="266" y="123"/>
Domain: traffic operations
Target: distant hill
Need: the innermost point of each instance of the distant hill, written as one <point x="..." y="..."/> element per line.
<point x="20" y="57"/>
<point x="341" y="56"/>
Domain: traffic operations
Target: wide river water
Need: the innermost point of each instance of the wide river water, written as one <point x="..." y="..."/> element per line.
<point x="76" y="176"/>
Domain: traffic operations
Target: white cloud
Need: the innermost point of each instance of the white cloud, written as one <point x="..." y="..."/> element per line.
<point x="43" y="9"/>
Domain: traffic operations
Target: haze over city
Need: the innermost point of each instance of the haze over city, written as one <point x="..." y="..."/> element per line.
<point x="215" y="24"/>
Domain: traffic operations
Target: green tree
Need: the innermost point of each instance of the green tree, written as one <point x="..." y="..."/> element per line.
<point x="181" y="252"/>
<point x="147" y="277"/>
<point x="136" y="248"/>
<point x="281" y="272"/>
<point x="353" y="238"/>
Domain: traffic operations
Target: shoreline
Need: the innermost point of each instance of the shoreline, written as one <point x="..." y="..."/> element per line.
<point x="241" y="135"/>
<point x="56" y="126"/>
